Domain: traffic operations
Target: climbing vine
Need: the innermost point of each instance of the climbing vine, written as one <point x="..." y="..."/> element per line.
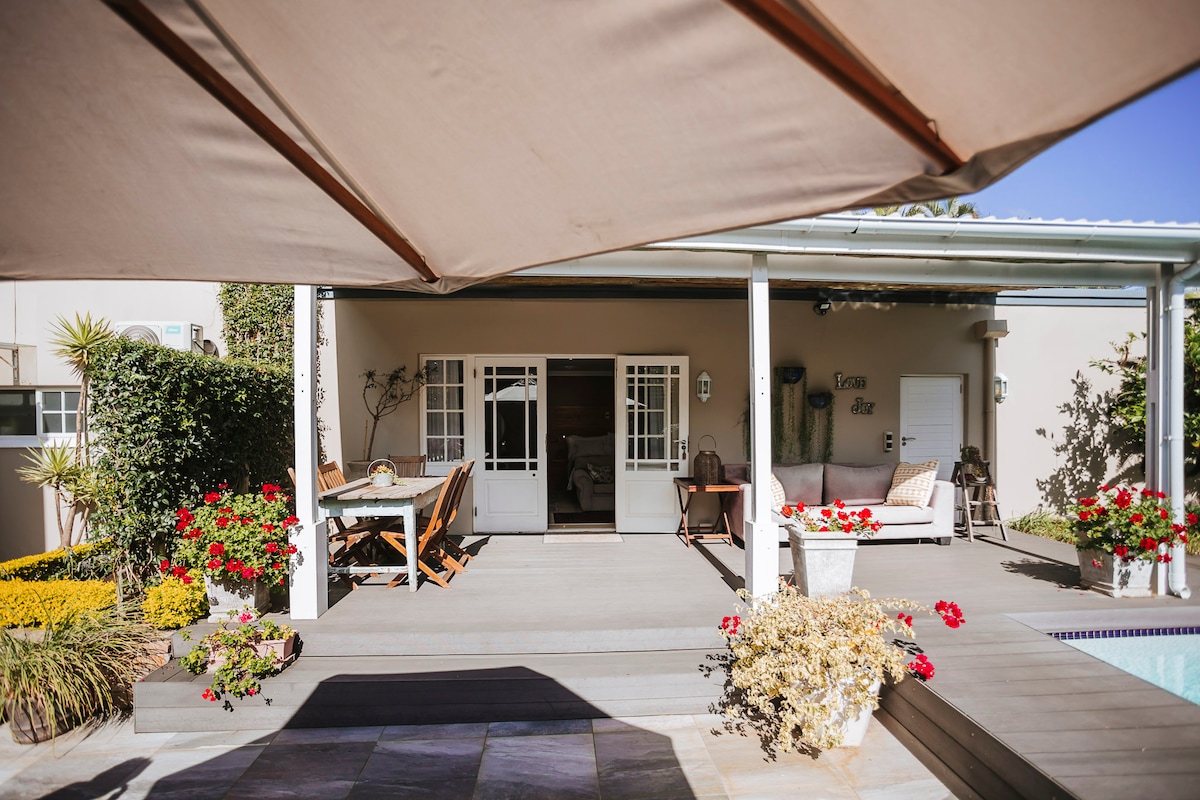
<point x="258" y="322"/>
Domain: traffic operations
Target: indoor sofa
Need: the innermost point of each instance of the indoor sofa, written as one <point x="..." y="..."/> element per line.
<point x="858" y="486"/>
<point x="590" y="464"/>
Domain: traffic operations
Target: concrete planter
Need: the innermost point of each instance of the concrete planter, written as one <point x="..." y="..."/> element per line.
<point x="823" y="562"/>
<point x="854" y="720"/>
<point x="229" y="595"/>
<point x="1105" y="573"/>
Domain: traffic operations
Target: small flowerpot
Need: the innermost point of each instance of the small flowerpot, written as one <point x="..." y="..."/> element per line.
<point x="29" y="721"/>
<point x="383" y="479"/>
<point x="1116" y="577"/>
<point x="823" y="561"/>
<point x="225" y="595"/>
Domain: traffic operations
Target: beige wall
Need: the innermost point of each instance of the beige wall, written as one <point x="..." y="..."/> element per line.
<point x="1047" y="346"/>
<point x="28" y="309"/>
<point x="879" y="343"/>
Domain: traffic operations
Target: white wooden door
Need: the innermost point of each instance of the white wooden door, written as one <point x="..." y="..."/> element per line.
<point x="931" y="420"/>
<point x="510" y="478"/>
<point x="652" y="394"/>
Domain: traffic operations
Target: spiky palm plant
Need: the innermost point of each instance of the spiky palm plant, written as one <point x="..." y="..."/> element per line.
<point x="76" y="343"/>
<point x="57" y="466"/>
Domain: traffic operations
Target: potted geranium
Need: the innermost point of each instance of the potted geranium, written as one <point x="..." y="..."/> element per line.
<point x="805" y="672"/>
<point x="239" y="542"/>
<point x="823" y="544"/>
<point x="240" y="657"/>
<point x="1118" y="534"/>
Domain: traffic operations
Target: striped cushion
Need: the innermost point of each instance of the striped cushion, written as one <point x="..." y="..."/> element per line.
<point x="778" y="497"/>
<point x="912" y="484"/>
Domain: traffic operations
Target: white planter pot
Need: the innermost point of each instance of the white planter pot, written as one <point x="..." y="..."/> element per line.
<point x="823" y="562"/>
<point x="1114" y="576"/>
<point x="229" y="595"/>
<point x="854" y="728"/>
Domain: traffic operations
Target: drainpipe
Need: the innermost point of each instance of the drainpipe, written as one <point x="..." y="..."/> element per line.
<point x="1175" y="311"/>
<point x="762" y="534"/>
<point x="990" y="331"/>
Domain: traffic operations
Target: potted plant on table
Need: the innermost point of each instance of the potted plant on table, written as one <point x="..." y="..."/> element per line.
<point x="240" y="657"/>
<point x="240" y="543"/>
<point x="823" y="544"/>
<point x="805" y="672"/>
<point x="1119" y="531"/>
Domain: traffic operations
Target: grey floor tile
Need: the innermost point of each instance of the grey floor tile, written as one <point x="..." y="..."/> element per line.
<point x="308" y="789"/>
<point x="222" y="739"/>
<point x="562" y="766"/>
<point x="320" y="735"/>
<point x="463" y="789"/>
<point x="424" y="762"/>
<point x="464" y="730"/>
<point x="341" y="761"/>
<point x="928" y="789"/>
<point x="636" y="764"/>
<point x="540" y="728"/>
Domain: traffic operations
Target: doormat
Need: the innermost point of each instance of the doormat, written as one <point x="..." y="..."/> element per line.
<point x="587" y="517"/>
<point x="583" y="537"/>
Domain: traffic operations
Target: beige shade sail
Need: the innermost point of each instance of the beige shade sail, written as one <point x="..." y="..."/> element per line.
<point x="491" y="137"/>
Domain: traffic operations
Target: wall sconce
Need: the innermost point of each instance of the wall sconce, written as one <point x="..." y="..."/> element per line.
<point x="1000" y="387"/>
<point x="703" y="387"/>
<point x="822" y="308"/>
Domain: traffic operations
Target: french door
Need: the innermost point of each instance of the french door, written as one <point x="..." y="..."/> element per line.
<point x="652" y="430"/>
<point x="510" y="478"/>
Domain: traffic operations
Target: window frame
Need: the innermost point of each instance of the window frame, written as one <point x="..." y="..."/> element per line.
<point x="40" y="437"/>
<point x="468" y="382"/>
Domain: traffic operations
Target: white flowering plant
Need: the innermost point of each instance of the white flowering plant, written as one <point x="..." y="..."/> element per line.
<point x="790" y="652"/>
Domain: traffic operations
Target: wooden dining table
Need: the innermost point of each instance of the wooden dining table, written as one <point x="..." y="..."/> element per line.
<point x="361" y="498"/>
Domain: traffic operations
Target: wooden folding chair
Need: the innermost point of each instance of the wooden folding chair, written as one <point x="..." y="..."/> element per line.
<point x="356" y="539"/>
<point x="430" y="556"/>
<point x="454" y="503"/>
<point x="409" y="466"/>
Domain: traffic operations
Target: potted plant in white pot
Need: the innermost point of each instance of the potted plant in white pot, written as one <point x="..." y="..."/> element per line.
<point x="805" y="672"/>
<point x="823" y="544"/>
<point x="1119" y="531"/>
<point x="240" y="543"/>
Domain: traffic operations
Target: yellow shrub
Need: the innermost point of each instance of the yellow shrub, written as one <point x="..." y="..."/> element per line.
<point x="174" y="604"/>
<point x="32" y="603"/>
<point x="46" y="566"/>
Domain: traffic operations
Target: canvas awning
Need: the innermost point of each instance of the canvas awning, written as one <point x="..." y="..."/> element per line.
<point x="481" y="138"/>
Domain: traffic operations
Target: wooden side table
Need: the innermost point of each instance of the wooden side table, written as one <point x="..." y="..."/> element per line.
<point x="720" y="529"/>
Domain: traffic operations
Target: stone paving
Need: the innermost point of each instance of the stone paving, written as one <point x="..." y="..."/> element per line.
<point x="666" y="758"/>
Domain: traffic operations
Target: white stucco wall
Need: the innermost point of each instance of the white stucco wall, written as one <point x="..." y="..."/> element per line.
<point x="1047" y="352"/>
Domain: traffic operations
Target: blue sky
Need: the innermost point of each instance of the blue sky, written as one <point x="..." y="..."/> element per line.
<point x="1140" y="163"/>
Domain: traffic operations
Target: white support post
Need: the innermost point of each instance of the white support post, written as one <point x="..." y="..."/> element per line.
<point x="1157" y="401"/>
<point x="310" y="586"/>
<point x="1176" y="581"/>
<point x="762" y="533"/>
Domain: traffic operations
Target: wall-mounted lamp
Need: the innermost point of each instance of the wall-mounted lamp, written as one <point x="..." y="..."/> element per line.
<point x="822" y="308"/>
<point x="703" y="387"/>
<point x="1000" y="387"/>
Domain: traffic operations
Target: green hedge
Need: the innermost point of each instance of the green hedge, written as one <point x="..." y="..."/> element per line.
<point x="169" y="426"/>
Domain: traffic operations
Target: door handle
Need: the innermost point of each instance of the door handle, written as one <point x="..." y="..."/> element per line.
<point x="906" y="439"/>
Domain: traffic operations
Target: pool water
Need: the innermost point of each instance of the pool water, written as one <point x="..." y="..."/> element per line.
<point x="1170" y="662"/>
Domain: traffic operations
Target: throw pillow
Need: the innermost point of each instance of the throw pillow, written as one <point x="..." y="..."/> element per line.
<point x="599" y="473"/>
<point x="858" y="486"/>
<point x="778" y="497"/>
<point x="912" y="485"/>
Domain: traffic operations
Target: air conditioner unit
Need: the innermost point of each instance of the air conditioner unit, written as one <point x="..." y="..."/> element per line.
<point x="176" y="335"/>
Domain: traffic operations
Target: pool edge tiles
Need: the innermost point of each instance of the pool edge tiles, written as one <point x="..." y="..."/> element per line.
<point x="1146" y="653"/>
<point x="1193" y="630"/>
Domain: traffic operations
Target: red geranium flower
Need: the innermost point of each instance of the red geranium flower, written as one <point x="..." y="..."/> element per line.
<point x="216" y="549"/>
<point x="212" y="497"/>
<point x="787" y="511"/>
<point x="164" y="565"/>
<point x="222" y="522"/>
<point x="272" y="547"/>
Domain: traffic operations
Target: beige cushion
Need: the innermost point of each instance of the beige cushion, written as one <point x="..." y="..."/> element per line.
<point x="912" y="484"/>
<point x="778" y="498"/>
<point x="801" y="482"/>
<point x="858" y="485"/>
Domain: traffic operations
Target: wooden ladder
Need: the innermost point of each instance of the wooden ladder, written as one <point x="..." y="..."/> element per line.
<point x="977" y="494"/>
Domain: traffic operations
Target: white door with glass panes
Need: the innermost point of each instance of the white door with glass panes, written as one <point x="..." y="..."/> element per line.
<point x="931" y="420"/>
<point x="652" y="429"/>
<point x="510" y="476"/>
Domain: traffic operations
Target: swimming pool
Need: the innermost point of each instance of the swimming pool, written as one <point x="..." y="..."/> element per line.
<point x="1167" y="657"/>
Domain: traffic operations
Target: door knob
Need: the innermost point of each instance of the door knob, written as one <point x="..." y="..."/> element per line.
<point x="906" y="439"/>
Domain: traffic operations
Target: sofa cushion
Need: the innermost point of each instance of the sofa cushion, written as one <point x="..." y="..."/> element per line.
<point x="600" y="473"/>
<point x="912" y="484"/>
<point x="857" y="486"/>
<point x="778" y="495"/>
<point x="801" y="482"/>
<point x="899" y="515"/>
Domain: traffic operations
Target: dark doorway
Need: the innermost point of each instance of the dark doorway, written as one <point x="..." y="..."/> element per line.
<point x="579" y="432"/>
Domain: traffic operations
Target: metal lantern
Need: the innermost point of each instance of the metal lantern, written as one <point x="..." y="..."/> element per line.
<point x="706" y="466"/>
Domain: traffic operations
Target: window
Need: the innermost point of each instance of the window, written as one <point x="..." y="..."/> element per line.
<point x="38" y="412"/>
<point x="58" y="410"/>
<point x="445" y="410"/>
<point x="18" y="412"/>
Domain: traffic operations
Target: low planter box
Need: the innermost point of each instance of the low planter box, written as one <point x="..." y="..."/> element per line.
<point x="281" y="652"/>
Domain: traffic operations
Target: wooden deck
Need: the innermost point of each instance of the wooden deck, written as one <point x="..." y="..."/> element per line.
<point x="536" y="630"/>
